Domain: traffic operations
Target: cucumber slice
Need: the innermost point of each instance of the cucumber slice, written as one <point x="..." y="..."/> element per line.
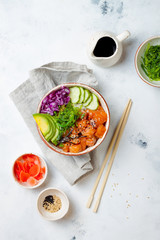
<point x="81" y="99"/>
<point x="79" y="105"/>
<point x="94" y="103"/>
<point x="87" y="94"/>
<point x="88" y="101"/>
<point x="75" y="94"/>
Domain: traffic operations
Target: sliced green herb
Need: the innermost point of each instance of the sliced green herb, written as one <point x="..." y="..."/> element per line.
<point x="61" y="145"/>
<point x="67" y="117"/>
<point x="82" y="116"/>
<point x="151" y="62"/>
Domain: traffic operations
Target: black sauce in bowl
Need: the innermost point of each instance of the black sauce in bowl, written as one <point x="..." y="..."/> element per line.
<point x="105" y="47"/>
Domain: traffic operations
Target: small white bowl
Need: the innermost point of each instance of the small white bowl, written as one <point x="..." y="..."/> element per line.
<point x="138" y="58"/>
<point x="57" y="215"/>
<point x="24" y="184"/>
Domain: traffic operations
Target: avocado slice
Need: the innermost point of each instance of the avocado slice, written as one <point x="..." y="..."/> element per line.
<point x="48" y="126"/>
<point x="43" y="123"/>
<point x="50" y="135"/>
<point x="55" y="137"/>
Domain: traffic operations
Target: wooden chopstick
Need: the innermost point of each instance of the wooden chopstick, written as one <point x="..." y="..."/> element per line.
<point x="106" y="157"/>
<point x="112" y="158"/>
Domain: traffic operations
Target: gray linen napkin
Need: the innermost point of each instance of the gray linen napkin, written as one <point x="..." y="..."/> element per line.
<point x="27" y="97"/>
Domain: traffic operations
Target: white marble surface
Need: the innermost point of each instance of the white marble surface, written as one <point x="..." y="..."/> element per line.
<point x="35" y="32"/>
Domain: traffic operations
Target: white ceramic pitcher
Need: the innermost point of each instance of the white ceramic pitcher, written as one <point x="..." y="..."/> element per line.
<point x="111" y="60"/>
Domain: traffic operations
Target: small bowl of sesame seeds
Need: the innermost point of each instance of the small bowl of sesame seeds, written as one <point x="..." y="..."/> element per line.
<point x="52" y="204"/>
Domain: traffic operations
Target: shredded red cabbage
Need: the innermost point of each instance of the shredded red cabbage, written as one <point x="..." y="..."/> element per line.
<point x="55" y="99"/>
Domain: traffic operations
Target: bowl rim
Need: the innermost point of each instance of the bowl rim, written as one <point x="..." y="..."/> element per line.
<point x="135" y="60"/>
<point x="40" y="182"/>
<point x="95" y="146"/>
<point x="66" y="198"/>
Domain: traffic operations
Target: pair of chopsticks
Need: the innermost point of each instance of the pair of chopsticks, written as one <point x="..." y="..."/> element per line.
<point x="114" y="142"/>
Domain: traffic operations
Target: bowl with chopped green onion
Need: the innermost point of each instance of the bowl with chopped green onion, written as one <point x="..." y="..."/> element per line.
<point x="147" y="61"/>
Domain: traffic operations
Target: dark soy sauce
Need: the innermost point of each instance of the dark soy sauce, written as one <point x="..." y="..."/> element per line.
<point x="105" y="47"/>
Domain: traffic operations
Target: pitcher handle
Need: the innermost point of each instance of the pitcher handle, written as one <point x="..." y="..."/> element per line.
<point x="123" y="35"/>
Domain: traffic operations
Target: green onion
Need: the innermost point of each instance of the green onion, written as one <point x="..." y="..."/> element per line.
<point x="83" y="115"/>
<point x="61" y="145"/>
<point x="151" y="62"/>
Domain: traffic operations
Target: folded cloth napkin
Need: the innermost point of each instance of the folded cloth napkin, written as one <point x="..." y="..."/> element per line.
<point x="27" y="97"/>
